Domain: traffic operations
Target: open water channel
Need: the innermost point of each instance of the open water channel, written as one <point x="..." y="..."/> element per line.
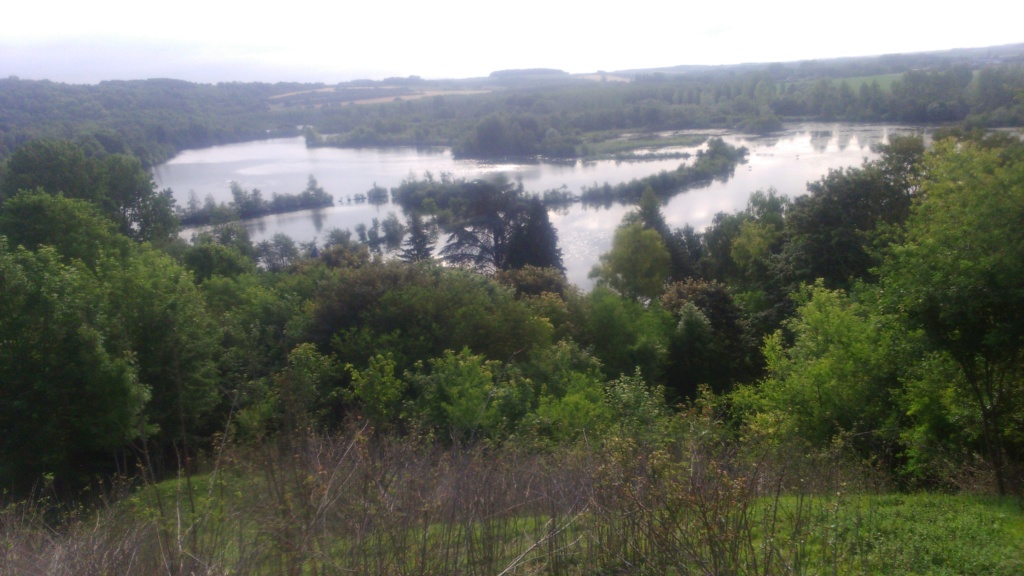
<point x="785" y="161"/>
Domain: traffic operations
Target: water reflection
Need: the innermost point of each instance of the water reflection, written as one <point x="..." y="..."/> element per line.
<point x="318" y="219"/>
<point x="785" y="161"/>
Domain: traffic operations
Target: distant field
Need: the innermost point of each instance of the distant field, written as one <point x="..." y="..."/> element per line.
<point x="300" y="92"/>
<point x="418" y="95"/>
<point x="361" y="95"/>
<point x="604" y="77"/>
<point x="885" y="81"/>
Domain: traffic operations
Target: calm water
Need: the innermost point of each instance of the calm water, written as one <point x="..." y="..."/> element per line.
<point x="785" y="161"/>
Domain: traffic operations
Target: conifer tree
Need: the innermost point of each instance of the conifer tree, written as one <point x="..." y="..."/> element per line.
<point x="534" y="241"/>
<point x="420" y="243"/>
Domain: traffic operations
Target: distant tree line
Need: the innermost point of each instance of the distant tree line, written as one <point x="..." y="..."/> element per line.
<point x="562" y="121"/>
<point x="513" y="116"/>
<point x="149" y="119"/>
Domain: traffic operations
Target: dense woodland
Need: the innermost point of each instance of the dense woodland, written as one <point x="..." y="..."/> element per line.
<point x="516" y="113"/>
<point x="432" y="396"/>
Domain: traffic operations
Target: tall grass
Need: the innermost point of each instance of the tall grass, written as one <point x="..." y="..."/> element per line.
<point x="356" y="503"/>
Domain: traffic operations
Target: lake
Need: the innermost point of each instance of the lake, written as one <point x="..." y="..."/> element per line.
<point x="786" y="161"/>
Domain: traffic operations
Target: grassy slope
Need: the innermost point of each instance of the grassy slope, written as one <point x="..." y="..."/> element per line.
<point x="936" y="534"/>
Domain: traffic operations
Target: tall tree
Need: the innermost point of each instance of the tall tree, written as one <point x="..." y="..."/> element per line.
<point x="637" y="266"/>
<point x="75" y="228"/>
<point x="117" y="184"/>
<point x="57" y="166"/>
<point x="164" y="321"/>
<point x="726" y="356"/>
<point x="958" y="276"/>
<point x="534" y="241"/>
<point x="829" y="228"/>
<point x="277" y="253"/>
<point x="132" y="201"/>
<point x="483" y="224"/>
<point x="70" y="395"/>
<point x="420" y="243"/>
<point x="648" y="214"/>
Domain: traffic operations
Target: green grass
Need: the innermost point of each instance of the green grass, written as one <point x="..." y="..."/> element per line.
<point x="349" y="506"/>
<point x="941" y="534"/>
<point x="933" y="534"/>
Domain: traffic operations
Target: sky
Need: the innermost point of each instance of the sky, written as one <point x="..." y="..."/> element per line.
<point x="305" y="41"/>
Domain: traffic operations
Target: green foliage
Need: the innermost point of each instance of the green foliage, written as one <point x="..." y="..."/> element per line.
<point x="340" y="251"/>
<point x="462" y="396"/>
<point x="75" y="228"/>
<point x="106" y="342"/>
<point x="491" y="225"/>
<point x="753" y="245"/>
<point x="301" y="388"/>
<point x="131" y="199"/>
<point x="637" y="265"/>
<point x="830" y="229"/>
<point x="569" y="388"/>
<point x="500" y="117"/>
<point x="625" y="335"/>
<point x="942" y="435"/>
<point x="534" y="241"/>
<point x="116" y="184"/>
<point x="152" y="313"/>
<point x="208" y="259"/>
<point x="760" y="235"/>
<point x="56" y="166"/>
<point x="377" y="390"/>
<point x="486" y="215"/>
<point x="418" y="312"/>
<point x="566" y="313"/>
<point x="232" y="234"/>
<point x="691" y="348"/>
<point x="836" y="379"/>
<point x="581" y="412"/>
<point x="835" y="233"/>
<point x="712" y="343"/>
<point x="534" y="281"/>
<point x="278" y="253"/>
<point x="521" y="136"/>
<point x="717" y="161"/>
<point x="71" y="394"/>
<point x="255" y="313"/>
<point x="164" y="321"/>
<point x="247" y="204"/>
<point x="420" y="244"/>
<point x="648" y="215"/>
<point x="957" y="277"/>
<point x="638" y="410"/>
<point x="149" y="119"/>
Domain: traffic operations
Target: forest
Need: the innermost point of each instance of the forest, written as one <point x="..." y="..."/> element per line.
<point x="521" y="114"/>
<point x="828" y="383"/>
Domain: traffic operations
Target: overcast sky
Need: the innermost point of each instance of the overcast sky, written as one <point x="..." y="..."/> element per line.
<point x="300" y="40"/>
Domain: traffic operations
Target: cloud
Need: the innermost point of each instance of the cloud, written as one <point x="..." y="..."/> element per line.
<point x="302" y="40"/>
